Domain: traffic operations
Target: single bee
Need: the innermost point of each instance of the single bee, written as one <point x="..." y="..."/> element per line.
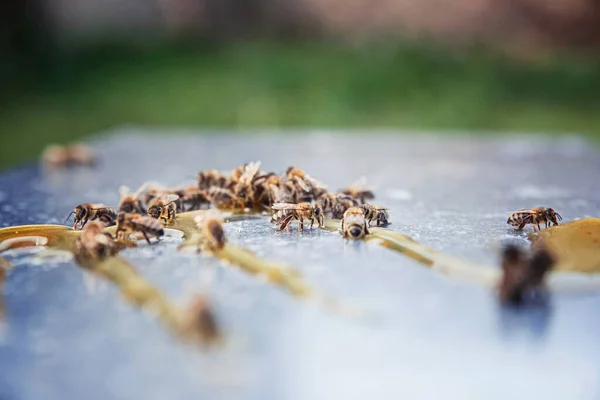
<point x="211" y="226"/>
<point x="534" y="216"/>
<point x="199" y="322"/>
<point x="133" y="223"/>
<point x="130" y="202"/>
<point x="358" y="191"/>
<point x="304" y="187"/>
<point x="90" y="212"/>
<point x="210" y="178"/>
<point x="267" y="187"/>
<point x="243" y="186"/>
<point x="94" y="243"/>
<point x="522" y="275"/>
<point x="354" y="224"/>
<point x="380" y="215"/>
<point x="288" y="212"/>
<point x="80" y="154"/>
<point x="164" y="208"/>
<point x="191" y="198"/>
<point x="224" y="199"/>
<point x="55" y="156"/>
<point x="336" y="203"/>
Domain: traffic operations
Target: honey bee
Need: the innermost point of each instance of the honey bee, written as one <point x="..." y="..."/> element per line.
<point x="164" y="208"/>
<point x="534" y="216"/>
<point x="288" y="212"/>
<point x="210" y="178"/>
<point x="522" y="275"/>
<point x="80" y="154"/>
<point x="224" y="199"/>
<point x="191" y="198"/>
<point x="336" y="203"/>
<point x="55" y="156"/>
<point x="304" y="187"/>
<point x="199" y="322"/>
<point x="132" y="223"/>
<point x="354" y="224"/>
<point x="380" y="215"/>
<point x="267" y="190"/>
<point x="130" y="202"/>
<point x="94" y="243"/>
<point x="211" y="226"/>
<point x="358" y="191"/>
<point x="243" y="186"/>
<point x="89" y="212"/>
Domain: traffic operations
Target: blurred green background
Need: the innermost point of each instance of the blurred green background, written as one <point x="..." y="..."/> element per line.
<point x="76" y="67"/>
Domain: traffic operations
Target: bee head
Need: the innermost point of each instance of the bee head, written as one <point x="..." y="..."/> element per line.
<point x="553" y="216"/>
<point x="319" y="215"/>
<point x="127" y="206"/>
<point x="154" y="211"/>
<point x="241" y="191"/>
<point x="355" y="232"/>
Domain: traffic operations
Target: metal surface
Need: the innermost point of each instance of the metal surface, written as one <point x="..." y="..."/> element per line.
<point x="70" y="335"/>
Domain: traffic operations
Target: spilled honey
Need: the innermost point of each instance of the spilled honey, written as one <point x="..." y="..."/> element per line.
<point x="576" y="245"/>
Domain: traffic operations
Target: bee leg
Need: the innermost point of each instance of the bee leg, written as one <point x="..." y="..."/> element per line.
<point x="366" y="230"/>
<point x="301" y="224"/>
<point x="520" y="227"/>
<point x="146" y="237"/>
<point x="312" y="222"/>
<point x="538" y="225"/>
<point x="286" y="222"/>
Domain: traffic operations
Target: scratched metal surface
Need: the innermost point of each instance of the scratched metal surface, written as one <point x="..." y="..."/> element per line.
<point x="69" y="335"/>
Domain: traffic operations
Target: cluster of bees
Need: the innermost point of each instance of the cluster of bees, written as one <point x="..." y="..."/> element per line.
<point x="292" y="196"/>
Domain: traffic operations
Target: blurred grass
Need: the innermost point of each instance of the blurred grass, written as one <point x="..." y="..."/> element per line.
<point x="275" y="85"/>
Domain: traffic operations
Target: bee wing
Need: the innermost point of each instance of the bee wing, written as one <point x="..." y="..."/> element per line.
<point x="285" y="206"/>
<point x="171" y="197"/>
<point x="359" y="184"/>
<point x="302" y="184"/>
<point x="250" y="171"/>
<point x="316" y="183"/>
<point x="124" y="191"/>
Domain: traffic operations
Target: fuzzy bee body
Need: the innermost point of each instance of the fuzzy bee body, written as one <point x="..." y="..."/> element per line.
<point x="192" y="198"/>
<point x="224" y="199"/>
<point x="132" y="223"/>
<point x="211" y="226"/>
<point x="359" y="192"/>
<point x="374" y="213"/>
<point x="303" y="187"/>
<point x="354" y="224"/>
<point x="211" y="178"/>
<point x="94" y="243"/>
<point x="535" y="216"/>
<point x="164" y="208"/>
<point x="522" y="274"/>
<point x="90" y="212"/>
<point x="342" y="203"/>
<point x="267" y="188"/>
<point x="243" y="186"/>
<point x="287" y="212"/>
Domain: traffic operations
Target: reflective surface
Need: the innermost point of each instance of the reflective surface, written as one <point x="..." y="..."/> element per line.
<point x="69" y="335"/>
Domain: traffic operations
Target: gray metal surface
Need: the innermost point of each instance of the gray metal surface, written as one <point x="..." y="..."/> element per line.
<point x="70" y="335"/>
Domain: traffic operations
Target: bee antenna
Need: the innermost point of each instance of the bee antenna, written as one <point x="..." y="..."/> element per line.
<point x="72" y="212"/>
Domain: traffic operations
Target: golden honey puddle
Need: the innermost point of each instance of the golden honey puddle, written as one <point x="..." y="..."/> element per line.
<point x="576" y="245"/>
